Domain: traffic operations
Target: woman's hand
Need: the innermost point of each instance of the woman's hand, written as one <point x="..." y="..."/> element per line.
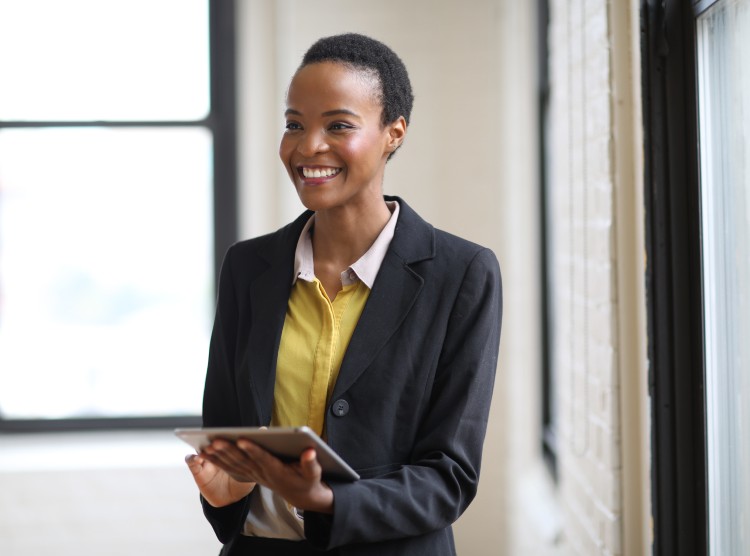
<point x="217" y="487"/>
<point x="299" y="483"/>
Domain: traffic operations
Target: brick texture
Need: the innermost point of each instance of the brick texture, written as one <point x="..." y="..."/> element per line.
<point x="583" y="266"/>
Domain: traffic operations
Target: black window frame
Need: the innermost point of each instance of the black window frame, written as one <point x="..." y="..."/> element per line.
<point x="674" y="276"/>
<point x="548" y="419"/>
<point x="221" y="121"/>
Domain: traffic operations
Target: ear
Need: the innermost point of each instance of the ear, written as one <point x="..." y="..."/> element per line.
<point x="396" y="133"/>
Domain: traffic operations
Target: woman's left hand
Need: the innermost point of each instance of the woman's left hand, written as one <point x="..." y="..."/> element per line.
<point x="299" y="483"/>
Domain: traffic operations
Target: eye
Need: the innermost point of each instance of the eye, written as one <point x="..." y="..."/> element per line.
<point x="292" y="126"/>
<point x="340" y="126"/>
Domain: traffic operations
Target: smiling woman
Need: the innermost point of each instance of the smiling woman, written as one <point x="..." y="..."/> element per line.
<point x="359" y="320"/>
<point x="334" y="130"/>
<point x="334" y="150"/>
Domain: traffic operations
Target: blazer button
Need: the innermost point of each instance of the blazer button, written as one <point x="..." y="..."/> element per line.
<point x="340" y="408"/>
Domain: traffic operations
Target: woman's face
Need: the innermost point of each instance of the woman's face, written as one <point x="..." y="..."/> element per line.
<point x="335" y="146"/>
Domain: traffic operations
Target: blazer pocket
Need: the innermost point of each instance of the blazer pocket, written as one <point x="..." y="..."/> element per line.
<point x="379" y="471"/>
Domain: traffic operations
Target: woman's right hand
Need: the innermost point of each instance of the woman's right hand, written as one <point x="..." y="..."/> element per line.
<point x="216" y="486"/>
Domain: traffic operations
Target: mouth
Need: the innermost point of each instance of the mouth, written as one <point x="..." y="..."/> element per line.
<point x="318" y="172"/>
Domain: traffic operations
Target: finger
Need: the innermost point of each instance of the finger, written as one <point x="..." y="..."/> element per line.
<point x="266" y="467"/>
<point x="257" y="454"/>
<point x="309" y="465"/>
<point x="222" y="446"/>
<point x="236" y="462"/>
<point x="245" y="445"/>
<point x="194" y="463"/>
<point x="241" y="471"/>
<point x="258" y="458"/>
<point x="227" y="453"/>
<point x="252" y="450"/>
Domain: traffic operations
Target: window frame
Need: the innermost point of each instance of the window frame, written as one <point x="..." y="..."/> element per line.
<point x="548" y="436"/>
<point x="674" y="276"/>
<point x="221" y="121"/>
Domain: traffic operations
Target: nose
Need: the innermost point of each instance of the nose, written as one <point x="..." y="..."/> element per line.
<point x="312" y="143"/>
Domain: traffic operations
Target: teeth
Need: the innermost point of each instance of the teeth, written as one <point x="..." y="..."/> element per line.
<point x="319" y="172"/>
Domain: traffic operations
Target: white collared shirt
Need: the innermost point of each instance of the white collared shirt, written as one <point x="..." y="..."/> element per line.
<point x="366" y="268"/>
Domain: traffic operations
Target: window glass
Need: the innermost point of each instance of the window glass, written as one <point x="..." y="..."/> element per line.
<point x="106" y="271"/>
<point x="723" y="39"/>
<point x="113" y="60"/>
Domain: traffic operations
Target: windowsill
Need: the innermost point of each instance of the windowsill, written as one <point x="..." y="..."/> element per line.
<point x="91" y="450"/>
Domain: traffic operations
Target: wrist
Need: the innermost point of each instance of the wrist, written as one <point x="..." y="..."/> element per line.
<point x="323" y="503"/>
<point x="240" y="489"/>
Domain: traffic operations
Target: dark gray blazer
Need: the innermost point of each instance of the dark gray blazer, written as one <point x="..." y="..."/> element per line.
<point x="416" y="380"/>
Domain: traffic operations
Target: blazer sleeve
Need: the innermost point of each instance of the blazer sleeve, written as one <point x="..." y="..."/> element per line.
<point x="432" y="490"/>
<point x="220" y="407"/>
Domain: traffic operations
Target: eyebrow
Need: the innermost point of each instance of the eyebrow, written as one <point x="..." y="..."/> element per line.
<point x="340" y="111"/>
<point x="336" y="112"/>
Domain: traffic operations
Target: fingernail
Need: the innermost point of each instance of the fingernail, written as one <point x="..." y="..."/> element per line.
<point x="245" y="445"/>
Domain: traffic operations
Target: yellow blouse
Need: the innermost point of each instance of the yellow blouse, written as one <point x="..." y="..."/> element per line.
<point x="313" y="342"/>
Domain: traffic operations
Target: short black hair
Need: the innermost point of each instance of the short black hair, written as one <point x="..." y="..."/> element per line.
<point x="372" y="56"/>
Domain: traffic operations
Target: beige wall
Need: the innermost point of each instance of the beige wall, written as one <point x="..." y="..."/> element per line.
<point x="453" y="152"/>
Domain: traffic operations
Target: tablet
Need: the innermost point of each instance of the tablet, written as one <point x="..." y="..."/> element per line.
<point x="286" y="443"/>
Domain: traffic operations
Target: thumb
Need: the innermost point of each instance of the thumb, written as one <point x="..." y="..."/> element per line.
<point x="309" y="464"/>
<point x="194" y="463"/>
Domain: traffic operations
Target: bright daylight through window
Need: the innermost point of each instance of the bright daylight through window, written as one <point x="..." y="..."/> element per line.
<point x="106" y="208"/>
<point x="723" y="34"/>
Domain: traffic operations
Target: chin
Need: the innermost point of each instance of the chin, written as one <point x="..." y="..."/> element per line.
<point x="313" y="202"/>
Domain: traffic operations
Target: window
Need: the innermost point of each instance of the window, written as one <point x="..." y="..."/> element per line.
<point x="548" y="421"/>
<point x="117" y="188"/>
<point x="723" y="40"/>
<point x="698" y="130"/>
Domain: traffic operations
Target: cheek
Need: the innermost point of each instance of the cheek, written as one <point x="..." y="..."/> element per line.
<point x="285" y="149"/>
<point x="362" y="149"/>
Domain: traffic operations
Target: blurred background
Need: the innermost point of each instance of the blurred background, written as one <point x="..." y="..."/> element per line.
<point x="139" y="139"/>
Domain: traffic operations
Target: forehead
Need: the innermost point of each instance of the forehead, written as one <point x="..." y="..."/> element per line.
<point x="331" y="85"/>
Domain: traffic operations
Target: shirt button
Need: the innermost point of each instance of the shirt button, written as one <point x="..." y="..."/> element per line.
<point x="340" y="408"/>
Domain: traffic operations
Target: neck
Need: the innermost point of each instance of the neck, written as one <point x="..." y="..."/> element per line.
<point x="344" y="234"/>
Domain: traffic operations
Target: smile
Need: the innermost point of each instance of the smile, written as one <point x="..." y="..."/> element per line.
<point x="319" y="172"/>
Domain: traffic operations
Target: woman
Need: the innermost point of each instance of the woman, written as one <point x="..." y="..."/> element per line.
<point x="359" y="320"/>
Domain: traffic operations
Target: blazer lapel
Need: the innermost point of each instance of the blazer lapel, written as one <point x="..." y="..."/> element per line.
<point x="394" y="292"/>
<point x="269" y="297"/>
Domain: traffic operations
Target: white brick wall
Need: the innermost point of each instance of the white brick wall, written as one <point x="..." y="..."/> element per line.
<point x="582" y="186"/>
